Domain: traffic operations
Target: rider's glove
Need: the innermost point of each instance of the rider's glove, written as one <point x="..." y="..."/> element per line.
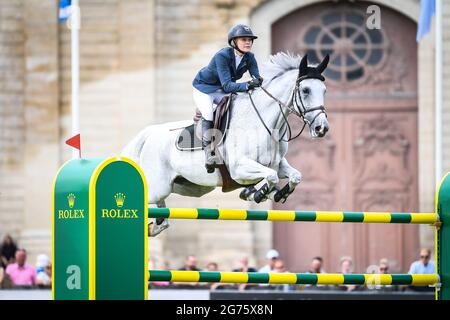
<point x="252" y="84"/>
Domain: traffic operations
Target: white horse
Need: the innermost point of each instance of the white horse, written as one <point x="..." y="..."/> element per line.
<point x="252" y="154"/>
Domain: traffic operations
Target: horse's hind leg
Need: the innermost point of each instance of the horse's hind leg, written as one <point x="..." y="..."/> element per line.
<point x="160" y="204"/>
<point x="161" y="223"/>
<point x="159" y="188"/>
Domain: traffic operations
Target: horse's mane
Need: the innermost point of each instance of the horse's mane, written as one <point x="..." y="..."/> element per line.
<point x="278" y="64"/>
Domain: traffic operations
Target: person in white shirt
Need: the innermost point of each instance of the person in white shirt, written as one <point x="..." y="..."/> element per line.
<point x="424" y="265"/>
<point x="279" y="267"/>
<point x="44" y="271"/>
<point x="272" y="257"/>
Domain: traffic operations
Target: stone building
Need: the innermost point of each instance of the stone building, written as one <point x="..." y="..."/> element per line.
<point x="138" y="58"/>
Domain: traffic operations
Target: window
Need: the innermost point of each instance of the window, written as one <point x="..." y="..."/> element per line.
<point x="353" y="48"/>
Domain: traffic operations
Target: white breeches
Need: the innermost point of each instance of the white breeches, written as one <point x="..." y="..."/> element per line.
<point x="206" y="103"/>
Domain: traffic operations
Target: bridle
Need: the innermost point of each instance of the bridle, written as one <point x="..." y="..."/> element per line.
<point x="293" y="108"/>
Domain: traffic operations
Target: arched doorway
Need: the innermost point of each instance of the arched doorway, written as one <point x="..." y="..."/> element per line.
<point x="368" y="162"/>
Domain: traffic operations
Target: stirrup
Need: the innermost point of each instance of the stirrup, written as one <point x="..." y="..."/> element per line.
<point x="212" y="159"/>
<point x="210" y="168"/>
<point x="212" y="164"/>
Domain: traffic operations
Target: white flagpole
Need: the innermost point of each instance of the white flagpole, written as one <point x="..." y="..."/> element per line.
<point x="438" y="92"/>
<point x="75" y="27"/>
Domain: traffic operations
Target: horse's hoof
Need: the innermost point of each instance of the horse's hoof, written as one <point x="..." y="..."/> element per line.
<point x="157" y="228"/>
<point x="283" y="194"/>
<point x="247" y="192"/>
<point x="261" y="193"/>
<point x="258" y="197"/>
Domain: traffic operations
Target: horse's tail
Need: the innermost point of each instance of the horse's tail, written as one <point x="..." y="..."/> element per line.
<point x="134" y="148"/>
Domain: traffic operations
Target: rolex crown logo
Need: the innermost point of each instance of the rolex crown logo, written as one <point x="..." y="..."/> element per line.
<point x="120" y="199"/>
<point x="71" y="199"/>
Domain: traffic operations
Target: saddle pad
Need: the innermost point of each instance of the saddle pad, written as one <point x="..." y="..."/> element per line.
<point x="188" y="140"/>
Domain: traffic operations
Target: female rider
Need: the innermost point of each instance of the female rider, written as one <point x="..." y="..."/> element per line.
<point x="218" y="79"/>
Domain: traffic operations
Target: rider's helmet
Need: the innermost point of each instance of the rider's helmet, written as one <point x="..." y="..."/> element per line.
<point x="239" y="30"/>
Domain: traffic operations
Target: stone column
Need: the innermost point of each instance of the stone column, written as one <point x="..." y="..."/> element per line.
<point x="12" y="135"/>
<point x="41" y="121"/>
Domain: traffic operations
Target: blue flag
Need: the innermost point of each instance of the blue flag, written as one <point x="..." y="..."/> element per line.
<point x="427" y="11"/>
<point x="65" y="10"/>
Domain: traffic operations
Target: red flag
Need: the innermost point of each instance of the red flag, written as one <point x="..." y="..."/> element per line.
<point x="74" y="142"/>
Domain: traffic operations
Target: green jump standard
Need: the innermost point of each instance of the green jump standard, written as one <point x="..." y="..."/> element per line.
<point x="100" y="230"/>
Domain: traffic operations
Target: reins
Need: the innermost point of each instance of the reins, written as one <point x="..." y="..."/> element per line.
<point x="300" y="113"/>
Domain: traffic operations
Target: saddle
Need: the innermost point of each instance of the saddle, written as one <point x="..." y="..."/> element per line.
<point x="219" y="114"/>
<point x="188" y="140"/>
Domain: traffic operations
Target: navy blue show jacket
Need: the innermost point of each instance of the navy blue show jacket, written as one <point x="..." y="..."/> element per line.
<point x="221" y="72"/>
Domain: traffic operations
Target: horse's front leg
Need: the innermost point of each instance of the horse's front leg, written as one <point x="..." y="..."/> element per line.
<point x="245" y="170"/>
<point x="295" y="177"/>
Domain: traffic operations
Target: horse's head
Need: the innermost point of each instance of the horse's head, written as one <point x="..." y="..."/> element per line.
<point x="309" y="96"/>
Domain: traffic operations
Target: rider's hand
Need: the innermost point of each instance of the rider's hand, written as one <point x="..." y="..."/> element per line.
<point x="252" y="84"/>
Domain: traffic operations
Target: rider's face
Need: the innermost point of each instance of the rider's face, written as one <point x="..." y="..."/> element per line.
<point x="244" y="44"/>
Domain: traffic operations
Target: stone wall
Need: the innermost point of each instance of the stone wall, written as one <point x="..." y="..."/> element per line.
<point x="29" y="117"/>
<point x="446" y="85"/>
<point x="12" y="116"/>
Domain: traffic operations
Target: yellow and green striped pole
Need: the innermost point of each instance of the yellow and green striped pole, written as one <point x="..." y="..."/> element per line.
<point x="294" y="278"/>
<point x="288" y="215"/>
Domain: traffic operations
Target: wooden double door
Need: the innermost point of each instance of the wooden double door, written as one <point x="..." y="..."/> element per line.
<point x="368" y="160"/>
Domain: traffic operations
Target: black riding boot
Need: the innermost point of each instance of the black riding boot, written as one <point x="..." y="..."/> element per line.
<point x="211" y="158"/>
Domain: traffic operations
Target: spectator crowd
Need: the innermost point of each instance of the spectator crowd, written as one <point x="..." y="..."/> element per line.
<point x="276" y="264"/>
<point x="16" y="272"/>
